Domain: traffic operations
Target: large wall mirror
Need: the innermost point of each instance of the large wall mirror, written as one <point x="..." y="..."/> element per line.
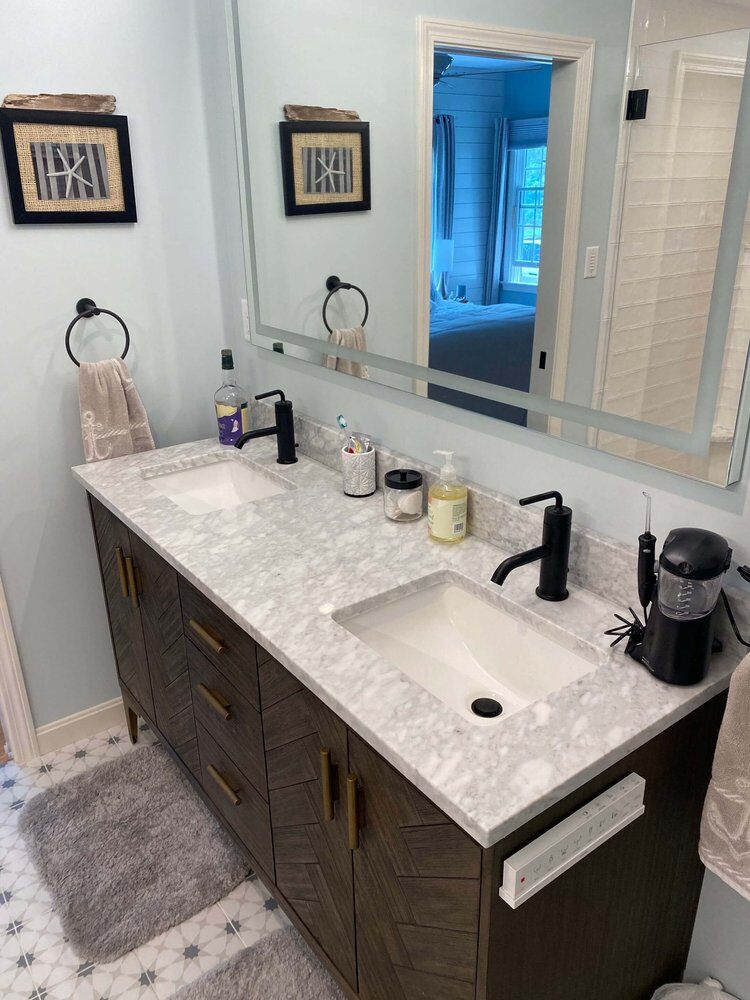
<point x="557" y="227"/>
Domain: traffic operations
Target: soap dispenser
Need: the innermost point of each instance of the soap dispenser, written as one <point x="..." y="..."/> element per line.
<point x="447" y="504"/>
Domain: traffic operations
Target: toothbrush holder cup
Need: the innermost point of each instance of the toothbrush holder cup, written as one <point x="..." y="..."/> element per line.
<point x="358" y="472"/>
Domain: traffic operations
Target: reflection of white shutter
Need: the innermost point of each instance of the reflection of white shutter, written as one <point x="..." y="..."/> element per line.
<point x="525" y="132"/>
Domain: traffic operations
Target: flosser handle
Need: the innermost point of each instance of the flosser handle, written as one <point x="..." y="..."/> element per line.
<point x="646" y="560"/>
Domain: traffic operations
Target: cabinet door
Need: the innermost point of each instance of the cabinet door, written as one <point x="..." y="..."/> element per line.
<point x="416" y="886"/>
<point x="161" y="616"/>
<point x="313" y="861"/>
<point x="120" y="591"/>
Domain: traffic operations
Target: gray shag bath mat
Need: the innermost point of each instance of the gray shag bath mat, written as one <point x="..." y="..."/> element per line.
<point x="126" y="851"/>
<point x="280" y="967"/>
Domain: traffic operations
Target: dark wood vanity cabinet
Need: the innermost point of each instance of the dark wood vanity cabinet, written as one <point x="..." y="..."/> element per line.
<point x="120" y="582"/>
<point x="417" y="884"/>
<point x="306" y="757"/>
<point x="395" y="897"/>
<point x="161" y="618"/>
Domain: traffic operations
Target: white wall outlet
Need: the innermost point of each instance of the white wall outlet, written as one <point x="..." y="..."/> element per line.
<point x="536" y="865"/>
<point x="246" y="320"/>
<point x="591" y="267"/>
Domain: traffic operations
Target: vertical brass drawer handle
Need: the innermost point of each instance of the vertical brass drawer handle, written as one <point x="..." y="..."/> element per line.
<point x="352" y="811"/>
<point x="224" y="785"/>
<point x="208" y="636"/>
<point x="326" y="784"/>
<point x="217" y="702"/>
<point x="132" y="583"/>
<point x="121" y="571"/>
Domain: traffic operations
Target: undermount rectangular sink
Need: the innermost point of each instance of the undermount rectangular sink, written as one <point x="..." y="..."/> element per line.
<point x="218" y="483"/>
<point x="462" y="648"/>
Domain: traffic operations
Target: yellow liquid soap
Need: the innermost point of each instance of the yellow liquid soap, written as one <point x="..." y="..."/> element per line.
<point x="447" y="505"/>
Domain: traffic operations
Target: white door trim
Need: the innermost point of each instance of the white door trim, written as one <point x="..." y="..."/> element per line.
<point x="463" y="35"/>
<point x="14" y="703"/>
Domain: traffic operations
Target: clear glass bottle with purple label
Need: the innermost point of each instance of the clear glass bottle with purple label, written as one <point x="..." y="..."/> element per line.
<point x="232" y="413"/>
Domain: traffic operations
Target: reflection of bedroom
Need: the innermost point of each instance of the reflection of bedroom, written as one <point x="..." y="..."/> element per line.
<point x="490" y="117"/>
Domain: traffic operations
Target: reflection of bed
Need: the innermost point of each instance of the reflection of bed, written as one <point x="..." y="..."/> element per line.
<point x="490" y="343"/>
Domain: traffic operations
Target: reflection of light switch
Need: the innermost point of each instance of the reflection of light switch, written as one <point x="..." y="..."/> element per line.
<point x="591" y="267"/>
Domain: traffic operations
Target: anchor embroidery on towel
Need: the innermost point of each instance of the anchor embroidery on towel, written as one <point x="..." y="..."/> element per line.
<point x="92" y="430"/>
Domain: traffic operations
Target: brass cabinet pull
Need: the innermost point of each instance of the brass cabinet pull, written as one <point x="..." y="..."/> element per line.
<point x="326" y="784"/>
<point x="224" y="785"/>
<point x="352" y="811"/>
<point x="208" y="636"/>
<point x="217" y="702"/>
<point x="121" y="571"/>
<point x="132" y="583"/>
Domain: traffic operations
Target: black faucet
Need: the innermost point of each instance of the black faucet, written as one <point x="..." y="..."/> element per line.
<point x="283" y="429"/>
<point x="553" y="552"/>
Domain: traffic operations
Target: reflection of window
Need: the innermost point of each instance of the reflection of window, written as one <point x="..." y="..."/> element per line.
<point x="525" y="206"/>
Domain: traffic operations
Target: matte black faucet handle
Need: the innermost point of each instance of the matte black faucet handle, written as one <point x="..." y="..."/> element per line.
<point x="272" y="392"/>
<point x="552" y="495"/>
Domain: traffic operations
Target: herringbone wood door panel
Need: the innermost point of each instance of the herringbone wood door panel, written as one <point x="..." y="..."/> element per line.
<point x="161" y="615"/>
<point x="124" y="619"/>
<point x="313" y="861"/>
<point x="417" y="884"/>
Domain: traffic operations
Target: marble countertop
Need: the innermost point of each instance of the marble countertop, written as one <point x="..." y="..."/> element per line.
<point x="283" y="566"/>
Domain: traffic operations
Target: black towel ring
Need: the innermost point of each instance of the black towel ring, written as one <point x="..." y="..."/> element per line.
<point x="85" y="309"/>
<point x="335" y="284"/>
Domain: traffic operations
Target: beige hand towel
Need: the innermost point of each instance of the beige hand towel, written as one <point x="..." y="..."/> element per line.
<point x="354" y="338"/>
<point x="113" y="419"/>
<point x="725" y="828"/>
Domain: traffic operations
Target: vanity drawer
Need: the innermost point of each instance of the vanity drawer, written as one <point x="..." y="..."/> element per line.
<point x="229" y="718"/>
<point x="223" y="642"/>
<point x="237" y="800"/>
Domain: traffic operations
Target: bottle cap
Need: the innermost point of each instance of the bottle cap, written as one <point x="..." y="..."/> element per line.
<point x="447" y="470"/>
<point x="227" y="361"/>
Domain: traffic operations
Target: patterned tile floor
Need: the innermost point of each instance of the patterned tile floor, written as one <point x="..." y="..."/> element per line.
<point x="36" y="962"/>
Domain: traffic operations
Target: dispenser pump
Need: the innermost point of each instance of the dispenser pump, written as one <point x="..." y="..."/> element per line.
<point x="447" y="470"/>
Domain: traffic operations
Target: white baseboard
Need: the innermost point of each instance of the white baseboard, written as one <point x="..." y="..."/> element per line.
<point x="80" y="726"/>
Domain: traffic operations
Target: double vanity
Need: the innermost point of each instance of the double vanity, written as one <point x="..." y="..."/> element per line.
<point x="312" y="668"/>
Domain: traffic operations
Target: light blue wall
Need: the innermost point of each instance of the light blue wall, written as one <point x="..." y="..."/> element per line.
<point x="475" y="103"/>
<point x="160" y="275"/>
<point x="527" y="93"/>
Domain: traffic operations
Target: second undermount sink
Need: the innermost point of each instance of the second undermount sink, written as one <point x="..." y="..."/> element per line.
<point x="462" y="648"/>
<point x="218" y="483"/>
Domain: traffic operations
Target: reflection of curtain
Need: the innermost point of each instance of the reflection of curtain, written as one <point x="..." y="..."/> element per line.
<point x="443" y="181"/>
<point x="496" y="231"/>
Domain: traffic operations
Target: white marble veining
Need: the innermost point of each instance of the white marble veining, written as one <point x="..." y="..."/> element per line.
<point x="281" y="567"/>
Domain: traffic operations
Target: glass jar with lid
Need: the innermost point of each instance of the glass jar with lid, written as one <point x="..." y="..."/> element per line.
<point x="403" y="497"/>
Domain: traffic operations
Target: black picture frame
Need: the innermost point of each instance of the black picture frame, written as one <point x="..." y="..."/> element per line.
<point x="23" y="216"/>
<point x="287" y="131"/>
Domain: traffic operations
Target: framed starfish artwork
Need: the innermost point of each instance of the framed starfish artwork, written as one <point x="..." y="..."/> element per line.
<point x="67" y="167"/>
<point x="325" y="166"/>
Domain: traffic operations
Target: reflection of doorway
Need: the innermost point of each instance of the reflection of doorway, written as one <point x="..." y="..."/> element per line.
<point x="534" y="259"/>
<point x="489" y="146"/>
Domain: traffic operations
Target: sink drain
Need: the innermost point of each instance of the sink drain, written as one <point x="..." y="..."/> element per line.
<point x="486" y="708"/>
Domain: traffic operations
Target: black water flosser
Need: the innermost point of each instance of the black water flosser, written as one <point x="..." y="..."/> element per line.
<point x="646" y="561"/>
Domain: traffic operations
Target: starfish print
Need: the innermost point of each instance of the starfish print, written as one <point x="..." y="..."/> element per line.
<point x="328" y="170"/>
<point x="69" y="172"/>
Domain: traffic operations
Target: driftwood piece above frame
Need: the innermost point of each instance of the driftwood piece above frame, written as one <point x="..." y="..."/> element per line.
<point x="103" y="104"/>
<point x="312" y="113"/>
